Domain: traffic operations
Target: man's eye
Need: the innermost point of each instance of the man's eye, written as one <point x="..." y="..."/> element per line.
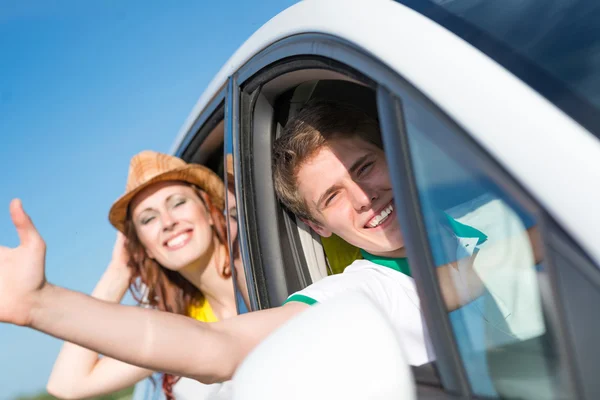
<point x="365" y="168"/>
<point x="330" y="199"/>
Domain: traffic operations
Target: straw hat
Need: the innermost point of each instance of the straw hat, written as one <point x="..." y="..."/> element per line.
<point x="150" y="167"/>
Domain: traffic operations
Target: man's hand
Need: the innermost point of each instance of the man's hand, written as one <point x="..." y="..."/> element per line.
<point x="21" y="270"/>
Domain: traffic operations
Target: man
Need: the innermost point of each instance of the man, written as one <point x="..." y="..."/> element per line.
<point x="339" y="184"/>
<point x="354" y="200"/>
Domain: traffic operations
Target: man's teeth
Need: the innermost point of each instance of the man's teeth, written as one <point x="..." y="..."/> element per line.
<point x="176" y="241"/>
<point x="378" y="219"/>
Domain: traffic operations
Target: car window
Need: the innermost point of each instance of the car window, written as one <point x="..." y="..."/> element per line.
<point x="489" y="259"/>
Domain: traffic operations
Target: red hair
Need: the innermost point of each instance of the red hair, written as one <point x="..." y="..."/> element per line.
<point x="155" y="286"/>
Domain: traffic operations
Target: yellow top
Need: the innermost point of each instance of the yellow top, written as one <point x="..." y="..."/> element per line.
<point x="202" y="312"/>
<point x="339" y="253"/>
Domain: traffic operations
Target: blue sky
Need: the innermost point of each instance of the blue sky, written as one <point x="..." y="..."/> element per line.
<point x="84" y="86"/>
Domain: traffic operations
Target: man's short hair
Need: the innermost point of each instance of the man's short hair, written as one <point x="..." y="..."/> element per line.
<point x="317" y="123"/>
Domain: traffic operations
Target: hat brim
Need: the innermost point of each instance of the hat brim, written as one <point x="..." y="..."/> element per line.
<point x="195" y="174"/>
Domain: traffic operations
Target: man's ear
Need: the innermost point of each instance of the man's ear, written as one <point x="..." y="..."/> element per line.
<point x="321" y="231"/>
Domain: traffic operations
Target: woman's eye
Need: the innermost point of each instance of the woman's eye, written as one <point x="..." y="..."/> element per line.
<point x="179" y="203"/>
<point x="146" y="220"/>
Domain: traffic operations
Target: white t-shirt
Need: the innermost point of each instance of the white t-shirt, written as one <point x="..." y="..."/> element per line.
<point x="394" y="292"/>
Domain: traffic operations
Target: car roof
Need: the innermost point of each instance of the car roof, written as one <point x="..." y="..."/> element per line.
<point x="426" y="54"/>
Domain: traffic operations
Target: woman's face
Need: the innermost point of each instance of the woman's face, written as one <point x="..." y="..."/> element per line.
<point x="172" y="224"/>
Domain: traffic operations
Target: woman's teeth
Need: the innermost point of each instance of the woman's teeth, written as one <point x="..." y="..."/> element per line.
<point x="378" y="219"/>
<point x="178" y="240"/>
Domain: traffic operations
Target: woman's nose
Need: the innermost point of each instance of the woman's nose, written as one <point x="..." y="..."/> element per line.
<point x="168" y="222"/>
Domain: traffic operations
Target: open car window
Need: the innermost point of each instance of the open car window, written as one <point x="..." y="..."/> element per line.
<point x="325" y="255"/>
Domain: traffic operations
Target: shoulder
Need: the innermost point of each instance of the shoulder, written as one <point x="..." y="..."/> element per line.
<point x="362" y="275"/>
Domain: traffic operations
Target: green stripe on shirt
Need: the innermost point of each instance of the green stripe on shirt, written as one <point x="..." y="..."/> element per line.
<point x="301" y="299"/>
<point x="398" y="264"/>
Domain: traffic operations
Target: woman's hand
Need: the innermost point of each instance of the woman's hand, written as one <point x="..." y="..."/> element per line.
<point x="22" y="277"/>
<point x="115" y="280"/>
<point x="120" y="256"/>
<point x="118" y="267"/>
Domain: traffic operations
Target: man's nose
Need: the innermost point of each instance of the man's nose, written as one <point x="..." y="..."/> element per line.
<point x="362" y="197"/>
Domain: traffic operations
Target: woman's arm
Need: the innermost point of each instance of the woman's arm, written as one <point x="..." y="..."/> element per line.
<point x="107" y="376"/>
<point x="79" y="372"/>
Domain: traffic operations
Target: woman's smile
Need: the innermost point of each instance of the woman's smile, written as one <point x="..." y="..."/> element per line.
<point x="179" y="240"/>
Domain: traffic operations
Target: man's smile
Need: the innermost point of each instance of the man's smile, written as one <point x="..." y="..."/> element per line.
<point x="381" y="217"/>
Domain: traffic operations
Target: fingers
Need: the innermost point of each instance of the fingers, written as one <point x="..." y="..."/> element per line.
<point x="121" y="242"/>
<point x="25" y="228"/>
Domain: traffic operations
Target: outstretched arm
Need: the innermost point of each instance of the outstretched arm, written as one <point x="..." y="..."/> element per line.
<point x="150" y="339"/>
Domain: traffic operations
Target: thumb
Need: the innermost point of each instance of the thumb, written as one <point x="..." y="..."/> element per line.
<point x="25" y="229"/>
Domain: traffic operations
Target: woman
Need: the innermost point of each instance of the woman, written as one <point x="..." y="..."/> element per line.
<point x="172" y="253"/>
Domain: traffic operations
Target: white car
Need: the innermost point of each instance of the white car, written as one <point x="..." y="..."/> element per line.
<point x="490" y="113"/>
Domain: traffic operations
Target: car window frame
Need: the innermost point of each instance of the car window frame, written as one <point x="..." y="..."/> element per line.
<point x="572" y="269"/>
<point x="336" y="50"/>
<point x="204" y="123"/>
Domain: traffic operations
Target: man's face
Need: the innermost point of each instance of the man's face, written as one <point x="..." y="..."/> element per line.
<point x="347" y="188"/>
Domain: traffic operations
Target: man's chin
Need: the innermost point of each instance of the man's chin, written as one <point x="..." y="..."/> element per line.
<point x="393" y="250"/>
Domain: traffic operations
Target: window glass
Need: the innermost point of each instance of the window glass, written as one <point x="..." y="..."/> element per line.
<point x="489" y="264"/>
<point x="237" y="267"/>
<point x="241" y="288"/>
